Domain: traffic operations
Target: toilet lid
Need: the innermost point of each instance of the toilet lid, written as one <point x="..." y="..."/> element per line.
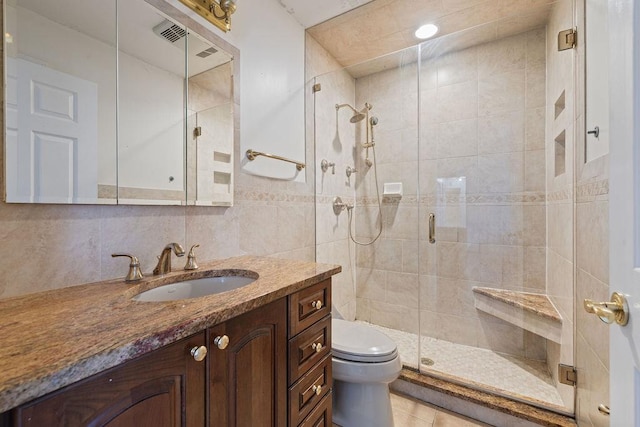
<point x="360" y="343"/>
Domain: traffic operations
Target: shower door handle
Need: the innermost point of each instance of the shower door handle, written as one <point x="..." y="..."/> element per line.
<point x="432" y="228"/>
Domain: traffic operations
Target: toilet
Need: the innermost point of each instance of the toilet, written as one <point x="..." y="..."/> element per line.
<point x="364" y="362"/>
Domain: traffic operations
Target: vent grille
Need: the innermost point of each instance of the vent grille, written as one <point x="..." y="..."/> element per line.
<point x="173" y="33"/>
<point x="207" y="52"/>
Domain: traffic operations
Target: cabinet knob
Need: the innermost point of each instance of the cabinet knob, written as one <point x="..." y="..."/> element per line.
<point x="221" y="342"/>
<point x="317" y="304"/>
<point x="199" y="353"/>
<point x="317" y="389"/>
<point x="317" y="347"/>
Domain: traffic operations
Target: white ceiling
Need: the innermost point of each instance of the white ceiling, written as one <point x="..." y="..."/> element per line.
<point x="312" y="12"/>
<point x="381" y="27"/>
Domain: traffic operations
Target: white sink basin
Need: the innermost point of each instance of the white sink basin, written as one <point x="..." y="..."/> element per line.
<point x="194" y="288"/>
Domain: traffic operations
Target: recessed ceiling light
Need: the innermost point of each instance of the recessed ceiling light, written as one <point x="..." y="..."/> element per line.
<point x="426" y="31"/>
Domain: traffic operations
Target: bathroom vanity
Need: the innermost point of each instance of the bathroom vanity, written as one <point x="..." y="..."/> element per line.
<point x="255" y="356"/>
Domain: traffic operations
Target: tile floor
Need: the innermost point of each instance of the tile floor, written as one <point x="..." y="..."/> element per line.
<point x="409" y="412"/>
<point x="512" y="376"/>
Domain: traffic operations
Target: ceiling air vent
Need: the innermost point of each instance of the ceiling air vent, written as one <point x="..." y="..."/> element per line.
<point x="169" y="31"/>
<point x="175" y="35"/>
<point x="207" y="52"/>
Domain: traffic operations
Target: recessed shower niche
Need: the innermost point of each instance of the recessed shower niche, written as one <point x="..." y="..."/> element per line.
<point x="560" y="154"/>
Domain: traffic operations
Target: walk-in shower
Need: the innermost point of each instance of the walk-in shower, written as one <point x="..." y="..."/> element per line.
<point x="468" y="133"/>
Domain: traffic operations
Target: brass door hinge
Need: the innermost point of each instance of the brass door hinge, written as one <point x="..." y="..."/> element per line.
<point x="567" y="39"/>
<point x="317" y="87"/>
<point x="197" y="131"/>
<point x="567" y="375"/>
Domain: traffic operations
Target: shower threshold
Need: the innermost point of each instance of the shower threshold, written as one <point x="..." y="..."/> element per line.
<point x="512" y="377"/>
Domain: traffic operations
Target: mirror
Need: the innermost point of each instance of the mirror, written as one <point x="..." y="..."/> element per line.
<point x="131" y="107"/>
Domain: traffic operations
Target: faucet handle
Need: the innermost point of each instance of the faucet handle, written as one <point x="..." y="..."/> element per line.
<point x="191" y="259"/>
<point x="134" y="273"/>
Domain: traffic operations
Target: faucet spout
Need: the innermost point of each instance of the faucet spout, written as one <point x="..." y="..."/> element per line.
<point x="164" y="260"/>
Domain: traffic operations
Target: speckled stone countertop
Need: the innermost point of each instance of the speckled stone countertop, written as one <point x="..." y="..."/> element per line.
<point x="52" y="339"/>
<point x="535" y="303"/>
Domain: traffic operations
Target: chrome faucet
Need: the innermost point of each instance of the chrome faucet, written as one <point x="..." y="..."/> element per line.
<point x="164" y="260"/>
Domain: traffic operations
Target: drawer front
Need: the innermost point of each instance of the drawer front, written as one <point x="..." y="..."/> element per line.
<point x="306" y="393"/>
<point x="321" y="415"/>
<point x="308" y="306"/>
<point x="308" y="348"/>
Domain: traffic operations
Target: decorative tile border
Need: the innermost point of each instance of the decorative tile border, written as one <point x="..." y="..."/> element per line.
<point x="584" y="192"/>
<point x="266" y="196"/>
<point x="560" y="195"/>
<point x="469" y="199"/>
<point x="588" y="191"/>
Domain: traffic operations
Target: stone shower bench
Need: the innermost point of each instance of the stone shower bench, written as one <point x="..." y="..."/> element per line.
<point x="532" y="312"/>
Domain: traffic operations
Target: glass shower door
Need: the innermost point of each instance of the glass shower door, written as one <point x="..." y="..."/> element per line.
<point x="487" y="318"/>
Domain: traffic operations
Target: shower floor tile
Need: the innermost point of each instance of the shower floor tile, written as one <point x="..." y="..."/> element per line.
<point x="523" y="379"/>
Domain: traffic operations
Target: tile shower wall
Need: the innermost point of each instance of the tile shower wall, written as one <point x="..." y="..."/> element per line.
<point x="481" y="168"/>
<point x="592" y="261"/>
<point x="53" y="246"/>
<point x="333" y="137"/>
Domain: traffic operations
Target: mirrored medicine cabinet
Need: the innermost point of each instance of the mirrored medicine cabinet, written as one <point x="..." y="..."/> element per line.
<point x="117" y="102"/>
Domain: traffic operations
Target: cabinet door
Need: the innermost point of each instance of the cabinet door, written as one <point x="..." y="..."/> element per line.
<point x="163" y="388"/>
<point x="248" y="378"/>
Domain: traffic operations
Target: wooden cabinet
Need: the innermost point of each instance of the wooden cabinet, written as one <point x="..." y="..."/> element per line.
<point x="248" y="377"/>
<point x="163" y="388"/>
<point x="321" y="414"/>
<point x="310" y="356"/>
<point x="270" y="367"/>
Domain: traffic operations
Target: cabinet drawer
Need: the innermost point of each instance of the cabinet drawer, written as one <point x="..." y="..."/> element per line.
<point x="308" y="306"/>
<point x="306" y="393"/>
<point x="308" y="348"/>
<point x="321" y="415"/>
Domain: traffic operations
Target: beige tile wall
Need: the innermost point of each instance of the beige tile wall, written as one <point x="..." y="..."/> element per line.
<point x="592" y="261"/>
<point x="332" y="136"/>
<point x="482" y="118"/>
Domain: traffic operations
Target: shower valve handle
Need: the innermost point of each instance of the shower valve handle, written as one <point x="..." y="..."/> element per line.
<point x="350" y="170"/>
<point x="325" y="165"/>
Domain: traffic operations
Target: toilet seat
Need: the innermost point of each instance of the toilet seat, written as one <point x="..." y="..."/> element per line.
<point x="360" y="343"/>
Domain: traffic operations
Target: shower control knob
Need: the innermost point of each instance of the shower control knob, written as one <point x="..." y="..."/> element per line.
<point x="317" y="389"/>
<point x="325" y="165"/>
<point x="221" y="342"/>
<point x="199" y="353"/>
<point x="317" y="304"/>
<point x="350" y="171"/>
<point x="317" y="347"/>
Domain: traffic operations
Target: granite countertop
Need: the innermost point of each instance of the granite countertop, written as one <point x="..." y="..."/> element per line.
<point x="52" y="339"/>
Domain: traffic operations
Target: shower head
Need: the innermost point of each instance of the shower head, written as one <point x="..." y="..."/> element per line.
<point x="357" y="117"/>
